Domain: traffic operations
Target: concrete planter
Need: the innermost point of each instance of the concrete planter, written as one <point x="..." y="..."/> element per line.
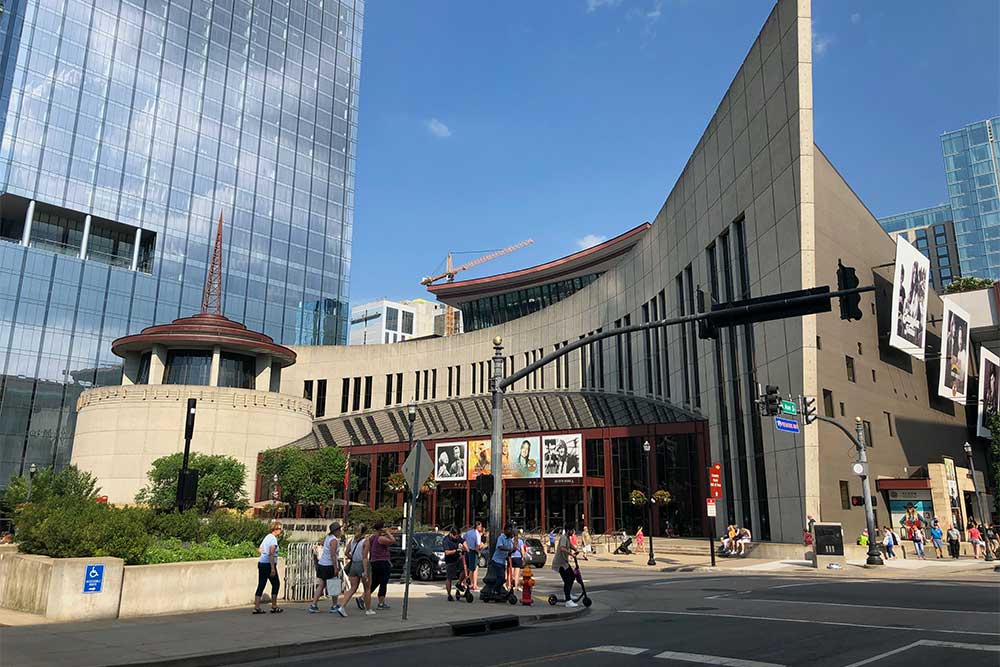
<point x="53" y="587"/>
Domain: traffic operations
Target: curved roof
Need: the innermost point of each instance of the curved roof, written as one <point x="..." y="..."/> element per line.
<point x="201" y="331"/>
<point x="596" y="259"/>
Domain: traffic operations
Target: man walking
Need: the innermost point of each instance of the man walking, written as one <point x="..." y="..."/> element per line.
<point x="453" y="547"/>
<point x="473" y="545"/>
<point x="954" y="537"/>
<point x="936" y="535"/>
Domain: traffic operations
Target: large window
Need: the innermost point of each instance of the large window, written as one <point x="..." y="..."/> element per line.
<point x="144" y="362"/>
<point x="407" y="322"/>
<point x="392" y="319"/>
<point x="188" y="367"/>
<point x="595" y="457"/>
<point x="493" y="310"/>
<point x="237" y="370"/>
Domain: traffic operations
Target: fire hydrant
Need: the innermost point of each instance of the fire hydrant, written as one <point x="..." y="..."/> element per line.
<point x="527" y="583"/>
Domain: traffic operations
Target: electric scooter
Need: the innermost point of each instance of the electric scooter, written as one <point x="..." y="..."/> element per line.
<point x="578" y="577"/>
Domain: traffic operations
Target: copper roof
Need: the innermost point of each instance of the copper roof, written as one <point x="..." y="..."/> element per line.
<point x="201" y="331"/>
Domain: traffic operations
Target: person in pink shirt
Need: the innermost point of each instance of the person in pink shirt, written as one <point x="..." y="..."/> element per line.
<point x="976" y="540"/>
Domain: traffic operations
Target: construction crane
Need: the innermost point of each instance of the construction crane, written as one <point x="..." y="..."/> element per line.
<point x="450" y="317"/>
<point x="451" y="270"/>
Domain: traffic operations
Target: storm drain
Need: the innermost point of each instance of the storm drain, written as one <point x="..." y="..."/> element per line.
<point x="482" y="626"/>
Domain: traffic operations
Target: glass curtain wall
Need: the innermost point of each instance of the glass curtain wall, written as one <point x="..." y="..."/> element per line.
<point x="493" y="310"/>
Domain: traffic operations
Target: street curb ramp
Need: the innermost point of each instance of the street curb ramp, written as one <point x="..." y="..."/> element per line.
<point x="452" y="629"/>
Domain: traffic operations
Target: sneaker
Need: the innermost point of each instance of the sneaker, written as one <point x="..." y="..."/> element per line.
<point x="339" y="610"/>
<point x="370" y="612"/>
<point x="361" y="603"/>
<point x="570" y="603"/>
<point x="313" y="609"/>
<point x="450" y="598"/>
<point x="383" y="606"/>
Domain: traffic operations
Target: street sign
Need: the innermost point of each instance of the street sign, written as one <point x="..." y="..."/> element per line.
<point x="715" y="480"/>
<point x="93" y="579"/>
<point x="710" y="504"/>
<point x="411" y="470"/>
<point x="789" y="408"/>
<point x="786" y="425"/>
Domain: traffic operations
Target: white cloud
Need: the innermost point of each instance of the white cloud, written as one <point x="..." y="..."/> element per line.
<point x="856" y="18"/>
<point x="590" y="240"/>
<point x="656" y="12"/>
<point x="438" y="129"/>
<point x="594" y="5"/>
<point x="821" y="43"/>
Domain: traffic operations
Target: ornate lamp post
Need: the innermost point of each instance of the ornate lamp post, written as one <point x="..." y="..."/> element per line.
<point x="32" y="469"/>
<point x="649" y="489"/>
<point x="983" y="516"/>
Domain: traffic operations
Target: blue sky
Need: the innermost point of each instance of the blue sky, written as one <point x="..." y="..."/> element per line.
<point x="482" y="123"/>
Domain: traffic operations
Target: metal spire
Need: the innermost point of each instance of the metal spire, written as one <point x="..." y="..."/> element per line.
<point x="211" y="300"/>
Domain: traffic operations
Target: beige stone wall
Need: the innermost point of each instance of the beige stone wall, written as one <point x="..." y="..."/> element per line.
<point x="120" y="431"/>
<point x="52" y="587"/>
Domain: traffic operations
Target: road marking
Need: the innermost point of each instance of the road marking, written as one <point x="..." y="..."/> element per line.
<point x="812" y="583"/>
<point x="685" y="579"/>
<point x="860" y="606"/>
<point x="623" y="650"/>
<point x="713" y="659"/>
<point x="546" y="658"/>
<point x="925" y="642"/>
<point x="804" y="620"/>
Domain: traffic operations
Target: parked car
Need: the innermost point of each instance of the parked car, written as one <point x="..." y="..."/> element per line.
<point x="535" y="556"/>
<point x="426" y="560"/>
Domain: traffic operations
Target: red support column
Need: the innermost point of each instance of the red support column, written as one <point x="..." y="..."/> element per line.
<point x="372" y="474"/>
<point x="609" y="488"/>
<point x="545" y="528"/>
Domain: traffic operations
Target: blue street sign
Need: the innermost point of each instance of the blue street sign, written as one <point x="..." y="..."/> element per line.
<point x="786" y="425"/>
<point x="93" y="579"/>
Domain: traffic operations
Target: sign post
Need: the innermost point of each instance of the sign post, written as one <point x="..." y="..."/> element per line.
<point x="416" y="469"/>
<point x="714" y="492"/>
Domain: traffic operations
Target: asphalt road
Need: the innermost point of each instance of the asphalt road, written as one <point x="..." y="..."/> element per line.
<point x="737" y="621"/>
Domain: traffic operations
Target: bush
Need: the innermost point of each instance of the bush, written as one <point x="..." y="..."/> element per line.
<point x="70" y="482"/>
<point x="186" y="526"/>
<point x="234" y="528"/>
<point x="390" y="516"/>
<point x="174" y="551"/>
<point x="220" y="482"/>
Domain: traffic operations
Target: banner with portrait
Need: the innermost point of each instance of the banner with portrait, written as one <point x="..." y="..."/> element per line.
<point x="479" y="458"/>
<point x="522" y="458"/>
<point x="954" y="353"/>
<point x="989" y="376"/>
<point x="910" y="287"/>
<point x="562" y="455"/>
<point x="450" y="461"/>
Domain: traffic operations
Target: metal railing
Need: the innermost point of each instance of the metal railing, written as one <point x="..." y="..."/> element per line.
<point x="300" y="572"/>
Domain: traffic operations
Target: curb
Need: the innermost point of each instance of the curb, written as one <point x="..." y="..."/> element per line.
<point x="449" y="629"/>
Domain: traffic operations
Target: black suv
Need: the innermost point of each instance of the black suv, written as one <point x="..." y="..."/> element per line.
<point x="427" y="559"/>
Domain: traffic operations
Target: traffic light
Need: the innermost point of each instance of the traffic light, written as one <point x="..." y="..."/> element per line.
<point x="772" y="400"/>
<point x="859" y="501"/>
<point x="484" y="484"/>
<point x="850" y="304"/>
<point x="808" y="409"/>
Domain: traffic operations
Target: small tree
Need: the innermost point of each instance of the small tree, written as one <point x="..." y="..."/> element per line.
<point x="309" y="478"/>
<point x="220" y="482"/>
<point x="967" y="284"/>
<point x="70" y="482"/>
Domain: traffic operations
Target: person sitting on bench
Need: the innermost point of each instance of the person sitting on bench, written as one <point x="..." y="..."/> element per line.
<point x="743" y="539"/>
<point x="728" y="540"/>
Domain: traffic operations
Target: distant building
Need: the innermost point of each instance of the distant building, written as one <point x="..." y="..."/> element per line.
<point x="932" y="232"/>
<point x="384" y="321"/>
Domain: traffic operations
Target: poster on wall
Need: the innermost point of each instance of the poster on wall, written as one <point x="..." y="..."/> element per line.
<point x="522" y="458"/>
<point x="479" y="458"/>
<point x="954" y="353"/>
<point x="910" y="286"/>
<point x="989" y="375"/>
<point x="450" y="461"/>
<point x="562" y="455"/>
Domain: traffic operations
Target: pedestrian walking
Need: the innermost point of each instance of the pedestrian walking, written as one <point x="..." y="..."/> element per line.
<point x="560" y="563"/>
<point x="517" y="559"/>
<point x="453" y="546"/>
<point x="474" y="544"/>
<point x="889" y="541"/>
<point x="552" y="541"/>
<point x="328" y="572"/>
<point x="585" y="538"/>
<point x="976" y="540"/>
<point x="358" y="574"/>
<point x="918" y="542"/>
<point x="267" y="569"/>
<point x="936" y="539"/>
<point x="954" y="540"/>
<point x="639" y="538"/>
<point x="378" y="558"/>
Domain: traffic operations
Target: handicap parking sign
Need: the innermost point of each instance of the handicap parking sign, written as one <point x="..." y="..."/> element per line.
<point x="93" y="579"/>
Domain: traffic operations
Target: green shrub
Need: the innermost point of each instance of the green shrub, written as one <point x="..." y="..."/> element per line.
<point x="220" y="482"/>
<point x="124" y="535"/>
<point x="234" y="528"/>
<point x="70" y="482"/>
<point x="174" y="551"/>
<point x="390" y="516"/>
<point x="184" y="526"/>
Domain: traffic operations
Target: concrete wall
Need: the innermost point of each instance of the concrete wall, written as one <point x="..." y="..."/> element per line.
<point x="120" y="431"/>
<point x="53" y="587"/>
<point x="179" y="587"/>
<point x="24" y="582"/>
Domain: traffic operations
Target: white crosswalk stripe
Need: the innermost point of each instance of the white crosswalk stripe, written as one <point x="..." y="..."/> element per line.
<point x="623" y="650"/>
<point x="713" y="659"/>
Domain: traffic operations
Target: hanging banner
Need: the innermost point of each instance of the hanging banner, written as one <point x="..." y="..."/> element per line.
<point x="450" y="461"/>
<point x="954" y="353"/>
<point x="522" y="458"/>
<point x="989" y="375"/>
<point x="479" y="458"/>
<point x="910" y="287"/>
<point x="562" y="455"/>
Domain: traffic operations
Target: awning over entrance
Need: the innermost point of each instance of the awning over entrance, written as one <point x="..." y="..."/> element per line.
<point x="470" y="416"/>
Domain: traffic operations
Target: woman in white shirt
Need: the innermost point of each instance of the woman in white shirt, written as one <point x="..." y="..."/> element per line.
<point x="327" y="572"/>
<point x="267" y="569"/>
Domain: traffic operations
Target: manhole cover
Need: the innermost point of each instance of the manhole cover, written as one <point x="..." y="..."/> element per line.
<point x="701" y="608"/>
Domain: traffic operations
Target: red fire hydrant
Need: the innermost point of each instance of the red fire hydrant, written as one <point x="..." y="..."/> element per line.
<point x="527" y="583"/>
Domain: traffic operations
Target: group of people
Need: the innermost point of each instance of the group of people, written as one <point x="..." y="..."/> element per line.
<point x="736" y="540"/>
<point x="936" y="535"/>
<point x="582" y="542"/>
<point x="367" y="566"/>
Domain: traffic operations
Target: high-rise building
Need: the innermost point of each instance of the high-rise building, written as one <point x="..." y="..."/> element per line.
<point x="971" y="156"/>
<point x="384" y="321"/>
<point x="128" y="128"/>
<point x="932" y="232"/>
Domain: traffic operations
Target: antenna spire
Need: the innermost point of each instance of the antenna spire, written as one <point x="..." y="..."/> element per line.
<point x="211" y="300"/>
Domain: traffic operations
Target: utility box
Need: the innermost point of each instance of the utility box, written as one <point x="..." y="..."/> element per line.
<point x="828" y="544"/>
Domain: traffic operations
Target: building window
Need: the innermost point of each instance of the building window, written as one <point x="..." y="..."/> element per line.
<point x="819" y="343"/>
<point x="237" y="370"/>
<point x="425" y="385"/>
<point x="345" y="395"/>
<point x="399" y="388"/>
<point x="144" y="362"/>
<point x="873" y="376"/>
<point x="392" y="319"/>
<point x="595" y="457"/>
<point x="368" y="391"/>
<point x="859" y="349"/>
<point x="850" y="369"/>
<point x="845" y="495"/>
<point x="869" y="441"/>
<point x="388" y="389"/>
<point x="275" y="384"/>
<point x="843" y="410"/>
<point x="434" y="384"/>
<point x="458" y="380"/>
<point x="888" y="421"/>
<point x="942" y="251"/>
<point x="307" y="390"/>
<point x="944" y="261"/>
<point x="939" y="229"/>
<point x="356" y="396"/>
<point x="828" y="403"/>
<point x="629" y="381"/>
<point x="387" y="338"/>
<point x="416" y="385"/>
<point x="407" y="322"/>
<point x="188" y="367"/>
<point x="320" y="398"/>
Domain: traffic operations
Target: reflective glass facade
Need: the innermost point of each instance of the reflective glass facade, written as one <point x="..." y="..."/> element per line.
<point x="493" y="310"/>
<point x="932" y="232"/>
<point x="157" y="116"/>
<point x="971" y="157"/>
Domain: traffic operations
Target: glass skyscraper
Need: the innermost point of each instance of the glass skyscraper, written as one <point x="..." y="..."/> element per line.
<point x="128" y="127"/>
<point x="971" y="157"/>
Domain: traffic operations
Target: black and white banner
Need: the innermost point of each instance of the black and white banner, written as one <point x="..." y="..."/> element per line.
<point x="954" y="353"/>
<point x="989" y="376"/>
<point x="910" y="286"/>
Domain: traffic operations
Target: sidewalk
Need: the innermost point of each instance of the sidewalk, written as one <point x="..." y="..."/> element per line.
<point x="234" y="635"/>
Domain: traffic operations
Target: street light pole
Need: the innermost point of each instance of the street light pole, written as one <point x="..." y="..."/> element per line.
<point x="32" y="469"/>
<point x="411" y="416"/>
<point x="874" y="557"/>
<point x="496" y="452"/>
<point x="979" y="502"/>
<point x="649" y="490"/>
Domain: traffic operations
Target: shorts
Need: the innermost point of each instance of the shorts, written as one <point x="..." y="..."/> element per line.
<point x="453" y="570"/>
<point x="356" y="569"/>
<point x="937" y="543"/>
<point x="516" y="562"/>
<point x="472" y="561"/>
<point x="324" y="571"/>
